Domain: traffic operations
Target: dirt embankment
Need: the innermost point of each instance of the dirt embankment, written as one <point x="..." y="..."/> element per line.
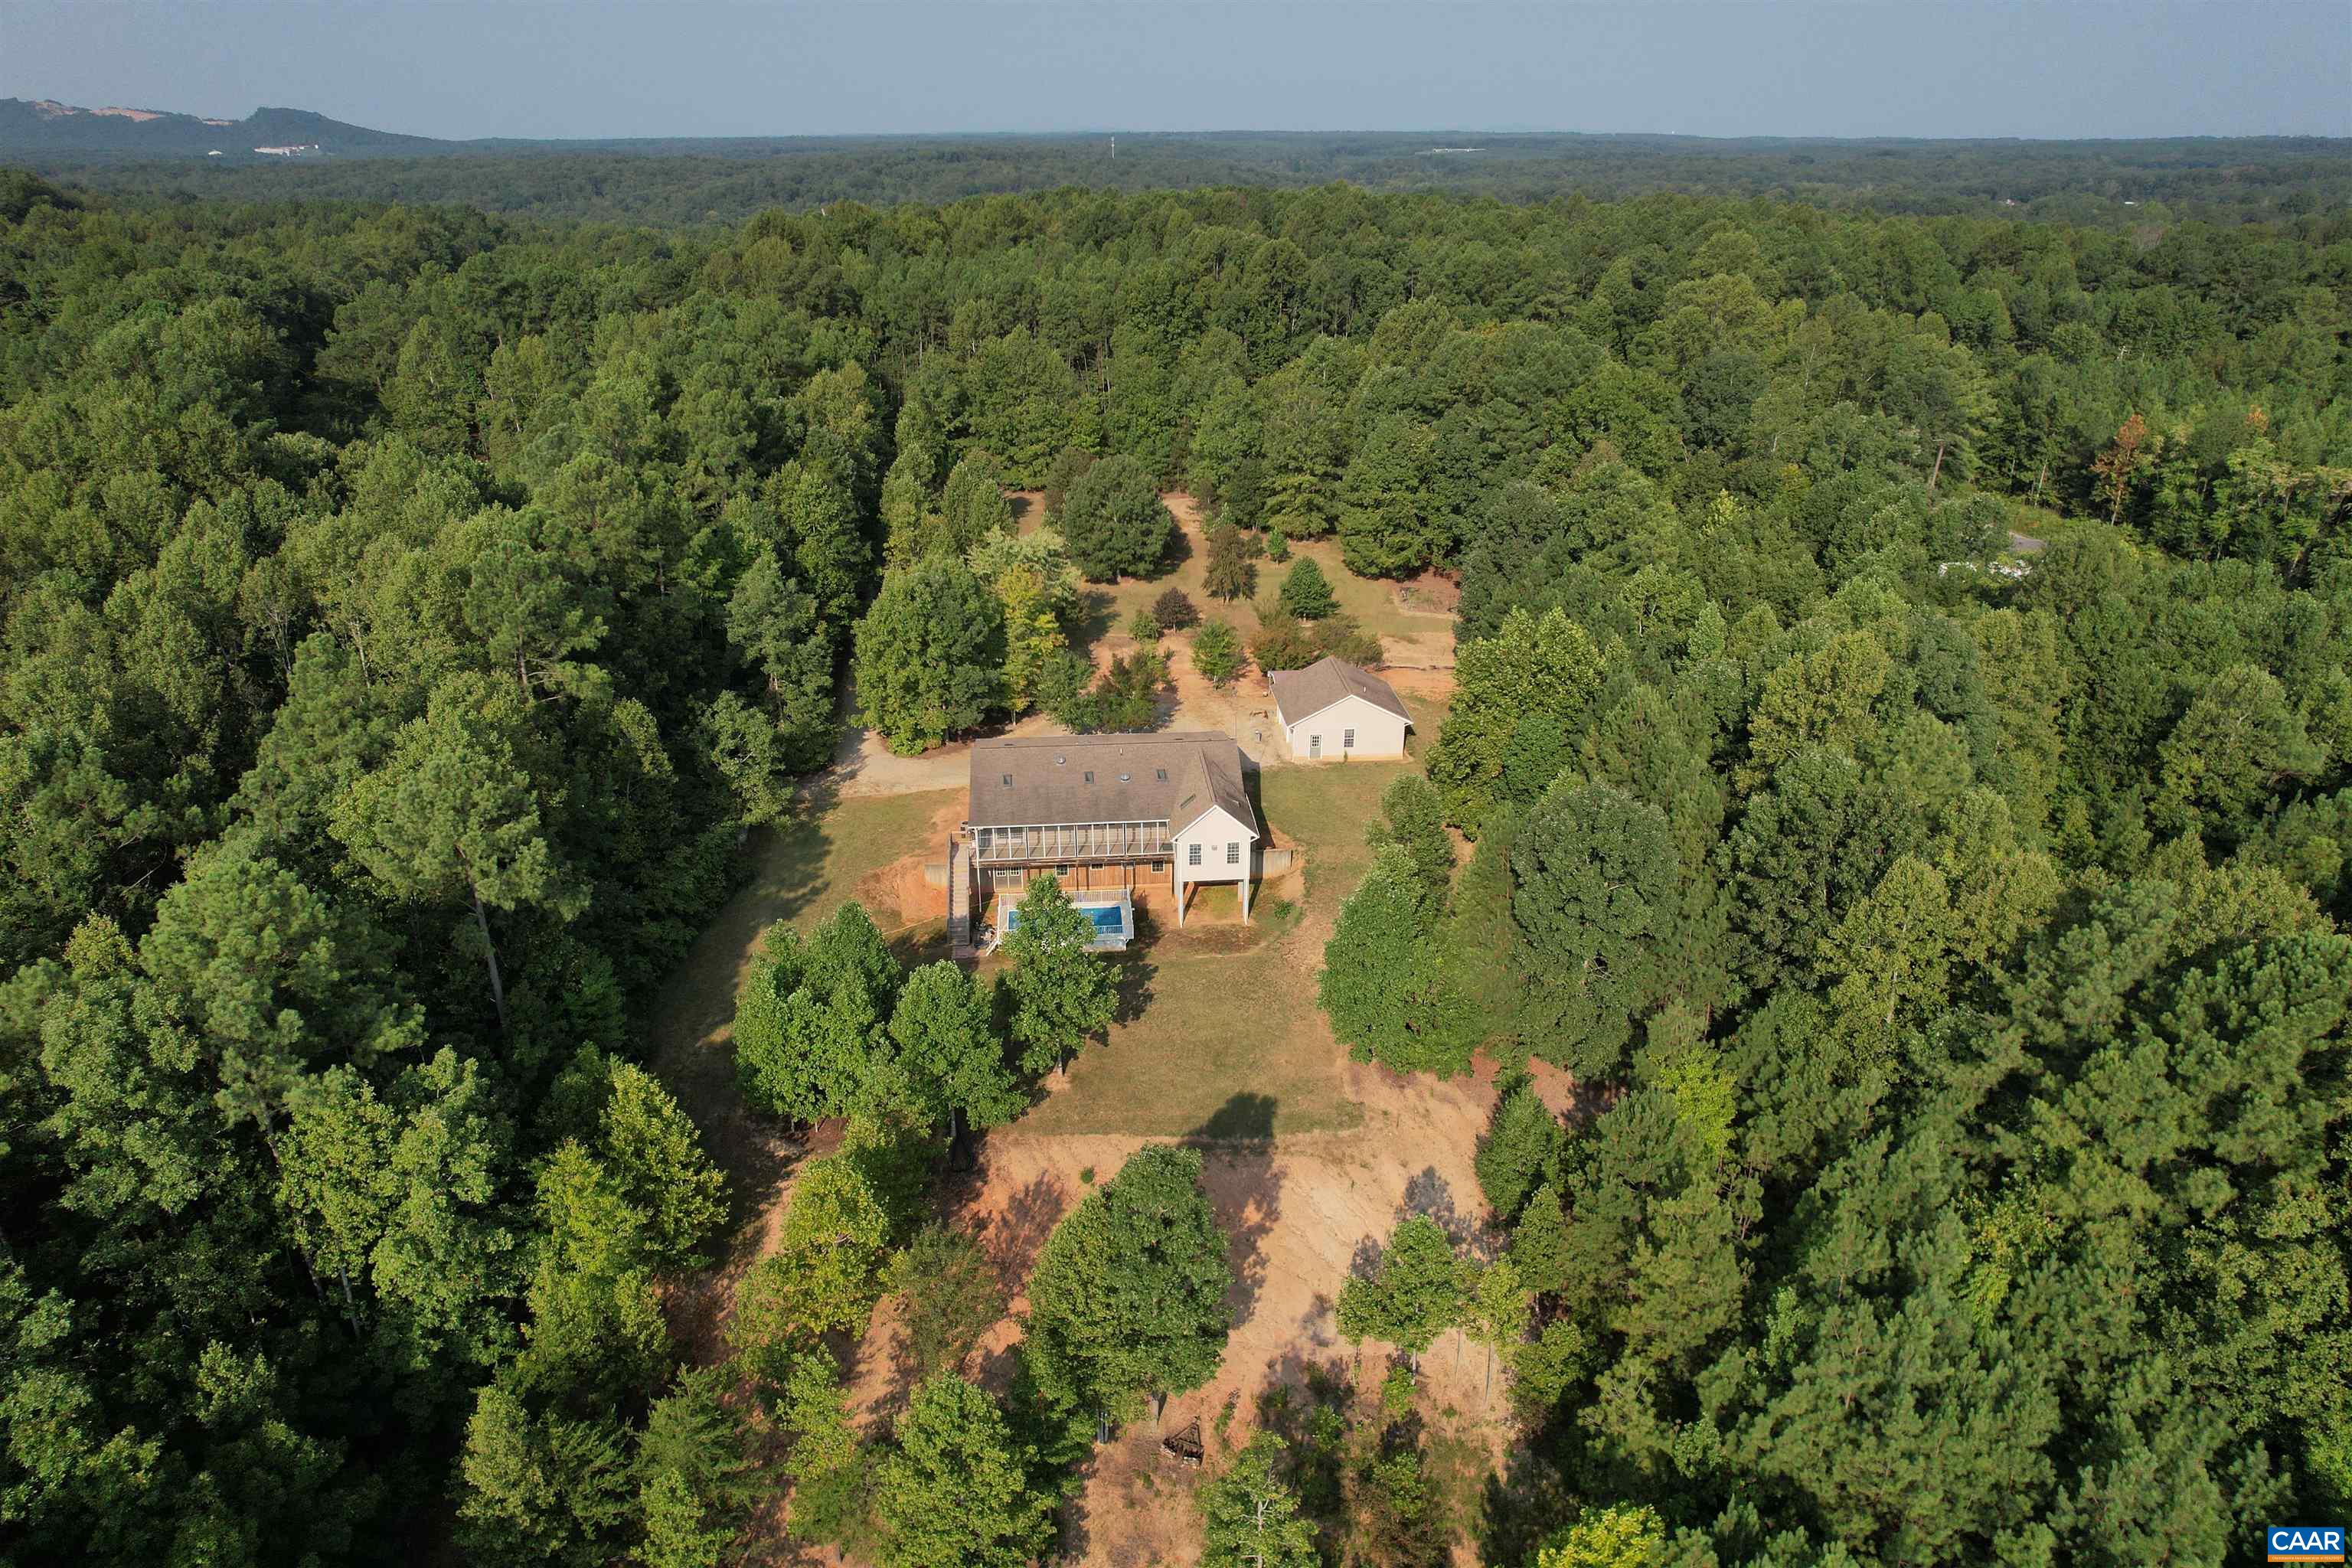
<point x="1299" y="1212"/>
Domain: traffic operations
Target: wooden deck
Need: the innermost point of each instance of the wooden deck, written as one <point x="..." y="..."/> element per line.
<point x="960" y="876"/>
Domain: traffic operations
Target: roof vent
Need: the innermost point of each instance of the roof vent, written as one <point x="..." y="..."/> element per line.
<point x="1162" y="773"/>
<point x="1008" y="779"/>
<point x="1059" y="760"/>
<point x="1123" y="778"/>
<point x="1090" y="775"/>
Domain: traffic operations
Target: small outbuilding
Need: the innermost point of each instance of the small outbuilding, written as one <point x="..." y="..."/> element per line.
<point x="1331" y="709"/>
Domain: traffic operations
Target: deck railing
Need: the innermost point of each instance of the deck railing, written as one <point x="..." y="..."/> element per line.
<point x="1070" y="841"/>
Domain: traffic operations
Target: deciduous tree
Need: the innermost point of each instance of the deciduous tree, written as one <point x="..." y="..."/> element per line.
<point x="1061" y="992"/>
<point x="1128" y="1300"/>
<point x="1115" y="523"/>
<point x="1250" y="1517"/>
<point x="955" y="1491"/>
<point x="930" y="654"/>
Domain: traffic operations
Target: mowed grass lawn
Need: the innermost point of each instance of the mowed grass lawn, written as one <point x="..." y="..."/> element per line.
<point x="1219" y="1035"/>
<point x="1223" y="1038"/>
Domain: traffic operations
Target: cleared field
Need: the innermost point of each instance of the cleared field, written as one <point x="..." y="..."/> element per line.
<point x="1420" y="635"/>
<point x="1219" y="1035"/>
<point x="1227" y="1043"/>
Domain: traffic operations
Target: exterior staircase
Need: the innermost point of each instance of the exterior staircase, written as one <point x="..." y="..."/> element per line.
<point x="960" y="898"/>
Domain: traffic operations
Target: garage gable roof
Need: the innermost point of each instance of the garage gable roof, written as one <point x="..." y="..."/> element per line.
<point x="1303" y="694"/>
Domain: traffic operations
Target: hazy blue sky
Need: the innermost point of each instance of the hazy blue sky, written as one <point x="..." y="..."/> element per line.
<point x="693" y="68"/>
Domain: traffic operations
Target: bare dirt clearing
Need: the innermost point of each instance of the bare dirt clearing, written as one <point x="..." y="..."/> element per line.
<point x="1297" y="1208"/>
<point x="1414" y="619"/>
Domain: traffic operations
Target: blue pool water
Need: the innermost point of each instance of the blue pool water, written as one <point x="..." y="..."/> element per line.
<point x="1110" y="922"/>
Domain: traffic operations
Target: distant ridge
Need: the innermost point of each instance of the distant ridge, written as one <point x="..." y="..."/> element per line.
<point x="54" y="129"/>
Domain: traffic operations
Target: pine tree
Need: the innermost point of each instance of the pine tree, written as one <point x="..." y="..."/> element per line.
<point x="1521" y="1151"/>
<point x="1389" y="521"/>
<point x="972" y="505"/>
<point x="1540" y="1241"/>
<point x="1595" y="896"/>
<point x="699" y="1481"/>
<point x="454" y="816"/>
<point x="1305" y="592"/>
<point x="950" y="1294"/>
<point x="1231" y="573"/>
<point x="833" y="1485"/>
<point x="1383" y="983"/>
<point x="1413" y="819"/>
<point x="1520" y="696"/>
<point x="657" y="1158"/>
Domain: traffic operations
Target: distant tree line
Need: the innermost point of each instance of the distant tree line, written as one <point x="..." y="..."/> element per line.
<point x="2116" y="184"/>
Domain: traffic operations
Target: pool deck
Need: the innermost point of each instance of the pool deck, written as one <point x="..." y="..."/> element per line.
<point x="1112" y="935"/>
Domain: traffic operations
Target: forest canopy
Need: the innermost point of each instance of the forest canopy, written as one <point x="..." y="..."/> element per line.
<point x="1902" y="726"/>
<point x="704" y="181"/>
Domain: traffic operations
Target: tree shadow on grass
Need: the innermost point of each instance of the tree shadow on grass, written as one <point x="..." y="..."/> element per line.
<point x="791" y="855"/>
<point x="1097" y="614"/>
<point x="1236" y="1145"/>
<point x="923" y="943"/>
<point x="1179" y="549"/>
<point x="1132" y="977"/>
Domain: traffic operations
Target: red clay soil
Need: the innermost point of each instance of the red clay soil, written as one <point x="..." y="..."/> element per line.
<point x="1298" y="1209"/>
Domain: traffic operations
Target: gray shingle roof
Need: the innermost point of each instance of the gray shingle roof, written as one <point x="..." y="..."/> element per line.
<point x="1302" y="693"/>
<point x="1177" y="778"/>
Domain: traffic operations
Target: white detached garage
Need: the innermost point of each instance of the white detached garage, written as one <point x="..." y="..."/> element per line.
<point x="1331" y="709"/>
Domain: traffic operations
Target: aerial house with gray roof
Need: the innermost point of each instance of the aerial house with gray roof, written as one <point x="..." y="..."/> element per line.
<point x="1333" y="709"/>
<point x="1113" y="817"/>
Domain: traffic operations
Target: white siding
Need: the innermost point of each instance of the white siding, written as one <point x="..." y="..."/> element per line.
<point x="1228" y="854"/>
<point x="1377" y="733"/>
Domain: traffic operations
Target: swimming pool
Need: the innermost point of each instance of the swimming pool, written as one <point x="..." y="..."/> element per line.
<point x="1113" y="920"/>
